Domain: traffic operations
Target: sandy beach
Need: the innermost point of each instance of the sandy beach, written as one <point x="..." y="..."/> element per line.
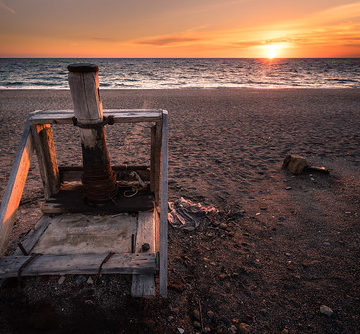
<point x="289" y="244"/>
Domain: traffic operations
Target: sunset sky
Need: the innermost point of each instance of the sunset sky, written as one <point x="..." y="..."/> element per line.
<point x="179" y="28"/>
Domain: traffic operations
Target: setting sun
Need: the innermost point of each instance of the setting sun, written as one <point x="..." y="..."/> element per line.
<point x="271" y="51"/>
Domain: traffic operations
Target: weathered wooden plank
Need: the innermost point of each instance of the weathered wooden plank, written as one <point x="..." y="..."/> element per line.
<point x="120" y="116"/>
<point x="45" y="151"/>
<point x="77" y="264"/>
<point x="152" y="159"/>
<point x="52" y="208"/>
<point x="164" y="208"/>
<point x="145" y="232"/>
<point x="144" y="285"/>
<point x="156" y="145"/>
<point x="115" y="168"/>
<point x="84" y="234"/>
<point x="34" y="235"/>
<point x="157" y="230"/>
<point x="71" y="199"/>
<point x="15" y="187"/>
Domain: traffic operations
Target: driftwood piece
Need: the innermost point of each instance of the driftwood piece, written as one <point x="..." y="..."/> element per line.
<point x="15" y="187"/>
<point x="297" y="165"/>
<point x="318" y="169"/>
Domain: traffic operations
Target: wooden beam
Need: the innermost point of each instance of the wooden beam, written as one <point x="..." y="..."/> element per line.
<point x="45" y="151"/>
<point x="164" y="208"/>
<point x="15" y="187"/>
<point x="152" y="159"/>
<point x="120" y="116"/>
<point x="34" y="235"/>
<point x="144" y="285"/>
<point x="77" y="264"/>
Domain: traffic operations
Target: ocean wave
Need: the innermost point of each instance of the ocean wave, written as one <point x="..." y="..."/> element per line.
<point x="175" y="73"/>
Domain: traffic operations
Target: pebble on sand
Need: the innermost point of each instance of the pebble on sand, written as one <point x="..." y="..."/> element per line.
<point x="196" y="314"/>
<point x="326" y="310"/>
<point x="244" y="328"/>
<point x="210" y="314"/>
<point x="197" y="324"/>
<point x="61" y="280"/>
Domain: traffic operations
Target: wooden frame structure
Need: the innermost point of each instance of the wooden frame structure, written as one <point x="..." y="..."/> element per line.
<point x="151" y="229"/>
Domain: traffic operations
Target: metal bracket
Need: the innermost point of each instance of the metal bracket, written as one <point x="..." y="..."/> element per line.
<point x="107" y="120"/>
<point x="107" y="258"/>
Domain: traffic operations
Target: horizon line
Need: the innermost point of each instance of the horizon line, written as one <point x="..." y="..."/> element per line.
<point x="356" y="57"/>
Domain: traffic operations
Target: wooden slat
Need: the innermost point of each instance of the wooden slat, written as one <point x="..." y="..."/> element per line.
<point x="152" y="159"/>
<point x="33" y="236"/>
<point x="164" y="208"/>
<point x="45" y="151"/>
<point x="144" y="285"/>
<point x="156" y="144"/>
<point x="15" y="187"/>
<point x="145" y="231"/>
<point x="157" y="230"/>
<point x="77" y="264"/>
<point x="120" y="116"/>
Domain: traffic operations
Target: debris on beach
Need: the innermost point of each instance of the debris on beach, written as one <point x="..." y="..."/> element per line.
<point x="294" y="164"/>
<point x="326" y="310"/>
<point x="187" y="215"/>
<point x="297" y="164"/>
<point x="318" y="169"/>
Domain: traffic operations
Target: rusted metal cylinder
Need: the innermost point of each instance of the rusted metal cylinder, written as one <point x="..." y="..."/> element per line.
<point x="98" y="178"/>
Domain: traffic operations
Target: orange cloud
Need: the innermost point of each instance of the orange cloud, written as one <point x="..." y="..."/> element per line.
<point x="165" y="41"/>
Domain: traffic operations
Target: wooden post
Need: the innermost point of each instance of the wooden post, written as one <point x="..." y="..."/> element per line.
<point x="164" y="206"/>
<point x="98" y="178"/>
<point x="44" y="145"/>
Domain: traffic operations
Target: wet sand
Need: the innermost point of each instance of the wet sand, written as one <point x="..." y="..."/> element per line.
<point x="226" y="146"/>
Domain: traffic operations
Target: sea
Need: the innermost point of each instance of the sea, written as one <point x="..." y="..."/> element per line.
<point x="178" y="73"/>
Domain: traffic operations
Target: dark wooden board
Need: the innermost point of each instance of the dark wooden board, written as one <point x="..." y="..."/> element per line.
<point x="69" y="174"/>
<point x="71" y="199"/>
<point x="77" y="264"/>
